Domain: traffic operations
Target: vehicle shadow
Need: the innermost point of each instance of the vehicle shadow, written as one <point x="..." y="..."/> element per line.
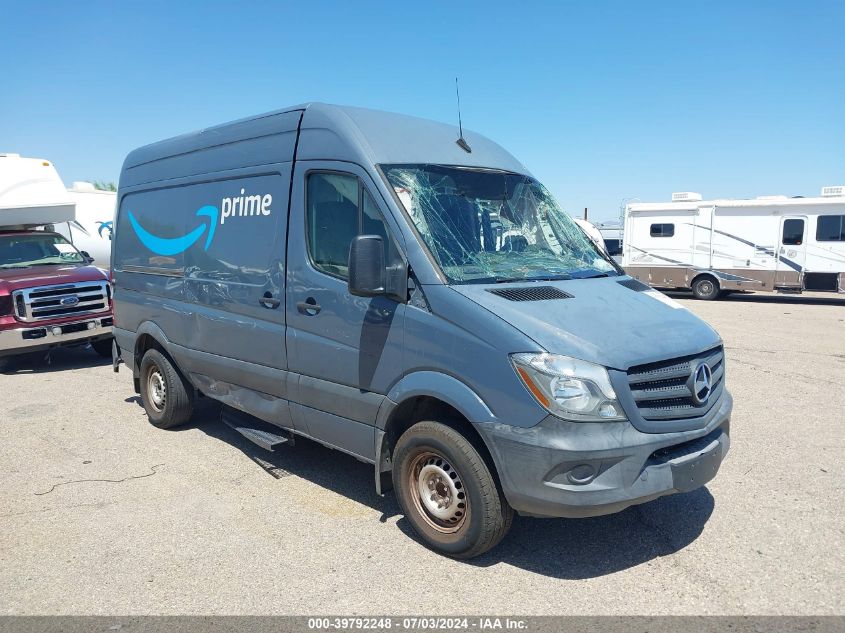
<point x="576" y="549"/>
<point x="764" y="297"/>
<point x="327" y="468"/>
<point x="60" y="359"/>
<point x="559" y="548"/>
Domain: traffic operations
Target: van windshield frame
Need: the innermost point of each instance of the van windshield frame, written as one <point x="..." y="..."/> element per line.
<point x="484" y="225"/>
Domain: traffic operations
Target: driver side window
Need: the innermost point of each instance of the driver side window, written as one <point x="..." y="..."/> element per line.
<point x="338" y="208"/>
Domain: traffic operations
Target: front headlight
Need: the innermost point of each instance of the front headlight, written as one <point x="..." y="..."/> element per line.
<point x="569" y="388"/>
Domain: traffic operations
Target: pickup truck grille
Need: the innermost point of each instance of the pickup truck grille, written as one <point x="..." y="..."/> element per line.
<point x="57" y="302"/>
<point x="666" y="390"/>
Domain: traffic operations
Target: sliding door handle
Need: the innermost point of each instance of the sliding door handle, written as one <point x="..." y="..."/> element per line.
<point x="309" y="307"/>
<point x="268" y="301"/>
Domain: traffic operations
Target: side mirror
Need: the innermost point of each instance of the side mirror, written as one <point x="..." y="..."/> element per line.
<point x="88" y="258"/>
<point x="366" y="266"/>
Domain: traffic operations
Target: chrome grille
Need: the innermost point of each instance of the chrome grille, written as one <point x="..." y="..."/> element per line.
<point x="66" y="300"/>
<point x="664" y="391"/>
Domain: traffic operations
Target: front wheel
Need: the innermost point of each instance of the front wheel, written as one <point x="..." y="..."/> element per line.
<point x="705" y="288"/>
<point x="447" y="491"/>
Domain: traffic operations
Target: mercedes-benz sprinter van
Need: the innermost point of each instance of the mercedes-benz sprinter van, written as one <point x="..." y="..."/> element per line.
<point x="418" y="300"/>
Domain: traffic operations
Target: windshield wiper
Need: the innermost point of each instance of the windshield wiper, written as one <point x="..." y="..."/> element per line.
<point x="558" y="277"/>
<point x="591" y="273"/>
<point x="511" y="280"/>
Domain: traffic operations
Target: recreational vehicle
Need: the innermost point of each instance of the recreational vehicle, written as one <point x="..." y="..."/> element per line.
<point x="92" y="229"/>
<point x="611" y="233"/>
<point x="592" y="232"/>
<point x="411" y="296"/>
<point x="50" y="294"/>
<point x="771" y="243"/>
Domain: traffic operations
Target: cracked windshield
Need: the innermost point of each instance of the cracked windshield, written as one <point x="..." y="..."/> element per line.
<point x="489" y="226"/>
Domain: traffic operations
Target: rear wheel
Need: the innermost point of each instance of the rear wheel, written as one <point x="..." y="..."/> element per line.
<point x="102" y="347"/>
<point x="705" y="288"/>
<point x="168" y="399"/>
<point x="447" y="492"/>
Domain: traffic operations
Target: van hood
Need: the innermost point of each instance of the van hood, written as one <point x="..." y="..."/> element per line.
<point x="615" y="321"/>
<point x="20" y="278"/>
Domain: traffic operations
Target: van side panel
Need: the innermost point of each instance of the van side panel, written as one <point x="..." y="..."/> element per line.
<point x="203" y="258"/>
<point x="245" y="262"/>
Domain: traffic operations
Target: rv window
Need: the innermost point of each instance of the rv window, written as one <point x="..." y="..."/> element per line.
<point x="662" y="230"/>
<point x="831" y="228"/>
<point x="339" y="208"/>
<point x="613" y="247"/>
<point x="793" y="232"/>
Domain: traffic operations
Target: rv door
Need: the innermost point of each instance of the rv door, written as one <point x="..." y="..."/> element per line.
<point x="792" y="249"/>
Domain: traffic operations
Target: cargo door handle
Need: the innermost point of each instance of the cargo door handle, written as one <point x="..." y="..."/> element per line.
<point x="268" y="301"/>
<point x="308" y="307"/>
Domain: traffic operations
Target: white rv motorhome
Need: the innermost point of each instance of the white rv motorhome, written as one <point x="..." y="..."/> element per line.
<point x="50" y="294"/>
<point x="611" y="233"/>
<point x="771" y="243"/>
<point x="592" y="232"/>
<point x="92" y="230"/>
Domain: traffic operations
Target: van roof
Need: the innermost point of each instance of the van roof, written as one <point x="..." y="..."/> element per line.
<point x="333" y="132"/>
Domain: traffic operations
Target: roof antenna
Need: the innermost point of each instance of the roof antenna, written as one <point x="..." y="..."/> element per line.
<point x="461" y="141"/>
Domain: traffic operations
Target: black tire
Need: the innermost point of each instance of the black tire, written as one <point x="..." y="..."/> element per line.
<point x="705" y="288"/>
<point x="424" y="455"/>
<point x="6" y="364"/>
<point x="102" y="347"/>
<point x="172" y="405"/>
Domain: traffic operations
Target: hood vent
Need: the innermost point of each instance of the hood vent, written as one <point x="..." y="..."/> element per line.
<point x="633" y="284"/>
<point x="530" y="293"/>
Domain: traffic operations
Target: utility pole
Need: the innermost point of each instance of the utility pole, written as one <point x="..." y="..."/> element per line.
<point x="585" y="213"/>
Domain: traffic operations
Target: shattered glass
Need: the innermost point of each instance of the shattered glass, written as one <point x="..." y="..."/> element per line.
<point x="488" y="226"/>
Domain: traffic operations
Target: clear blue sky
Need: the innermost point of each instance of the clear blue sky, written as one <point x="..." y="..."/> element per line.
<point x="600" y="100"/>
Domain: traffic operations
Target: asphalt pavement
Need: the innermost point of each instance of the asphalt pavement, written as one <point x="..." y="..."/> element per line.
<point x="101" y="513"/>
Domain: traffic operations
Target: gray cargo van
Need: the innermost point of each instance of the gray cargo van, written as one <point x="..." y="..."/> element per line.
<point x="372" y="282"/>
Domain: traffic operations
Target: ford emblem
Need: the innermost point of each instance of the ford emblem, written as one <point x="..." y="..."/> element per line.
<point x="70" y="301"/>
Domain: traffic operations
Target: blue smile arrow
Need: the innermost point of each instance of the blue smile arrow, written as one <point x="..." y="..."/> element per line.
<point x="176" y="245"/>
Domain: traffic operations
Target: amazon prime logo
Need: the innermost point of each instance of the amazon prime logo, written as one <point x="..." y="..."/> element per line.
<point x="69" y="301"/>
<point x="208" y="217"/>
<point x="174" y="245"/>
<point x="702" y="383"/>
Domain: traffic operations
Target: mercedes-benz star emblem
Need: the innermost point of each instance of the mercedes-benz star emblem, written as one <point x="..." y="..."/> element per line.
<point x="702" y="383"/>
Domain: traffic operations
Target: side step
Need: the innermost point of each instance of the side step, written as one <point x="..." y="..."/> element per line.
<point x="249" y="427"/>
<point x="789" y="290"/>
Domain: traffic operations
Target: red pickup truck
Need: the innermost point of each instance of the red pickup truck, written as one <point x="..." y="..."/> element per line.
<point x="50" y="296"/>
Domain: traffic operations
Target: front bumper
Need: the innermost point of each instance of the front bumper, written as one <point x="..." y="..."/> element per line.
<point x="35" y="338"/>
<point x="576" y="469"/>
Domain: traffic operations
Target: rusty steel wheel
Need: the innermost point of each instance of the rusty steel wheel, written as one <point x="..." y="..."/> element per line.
<point x="440" y="499"/>
<point x="446" y="486"/>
